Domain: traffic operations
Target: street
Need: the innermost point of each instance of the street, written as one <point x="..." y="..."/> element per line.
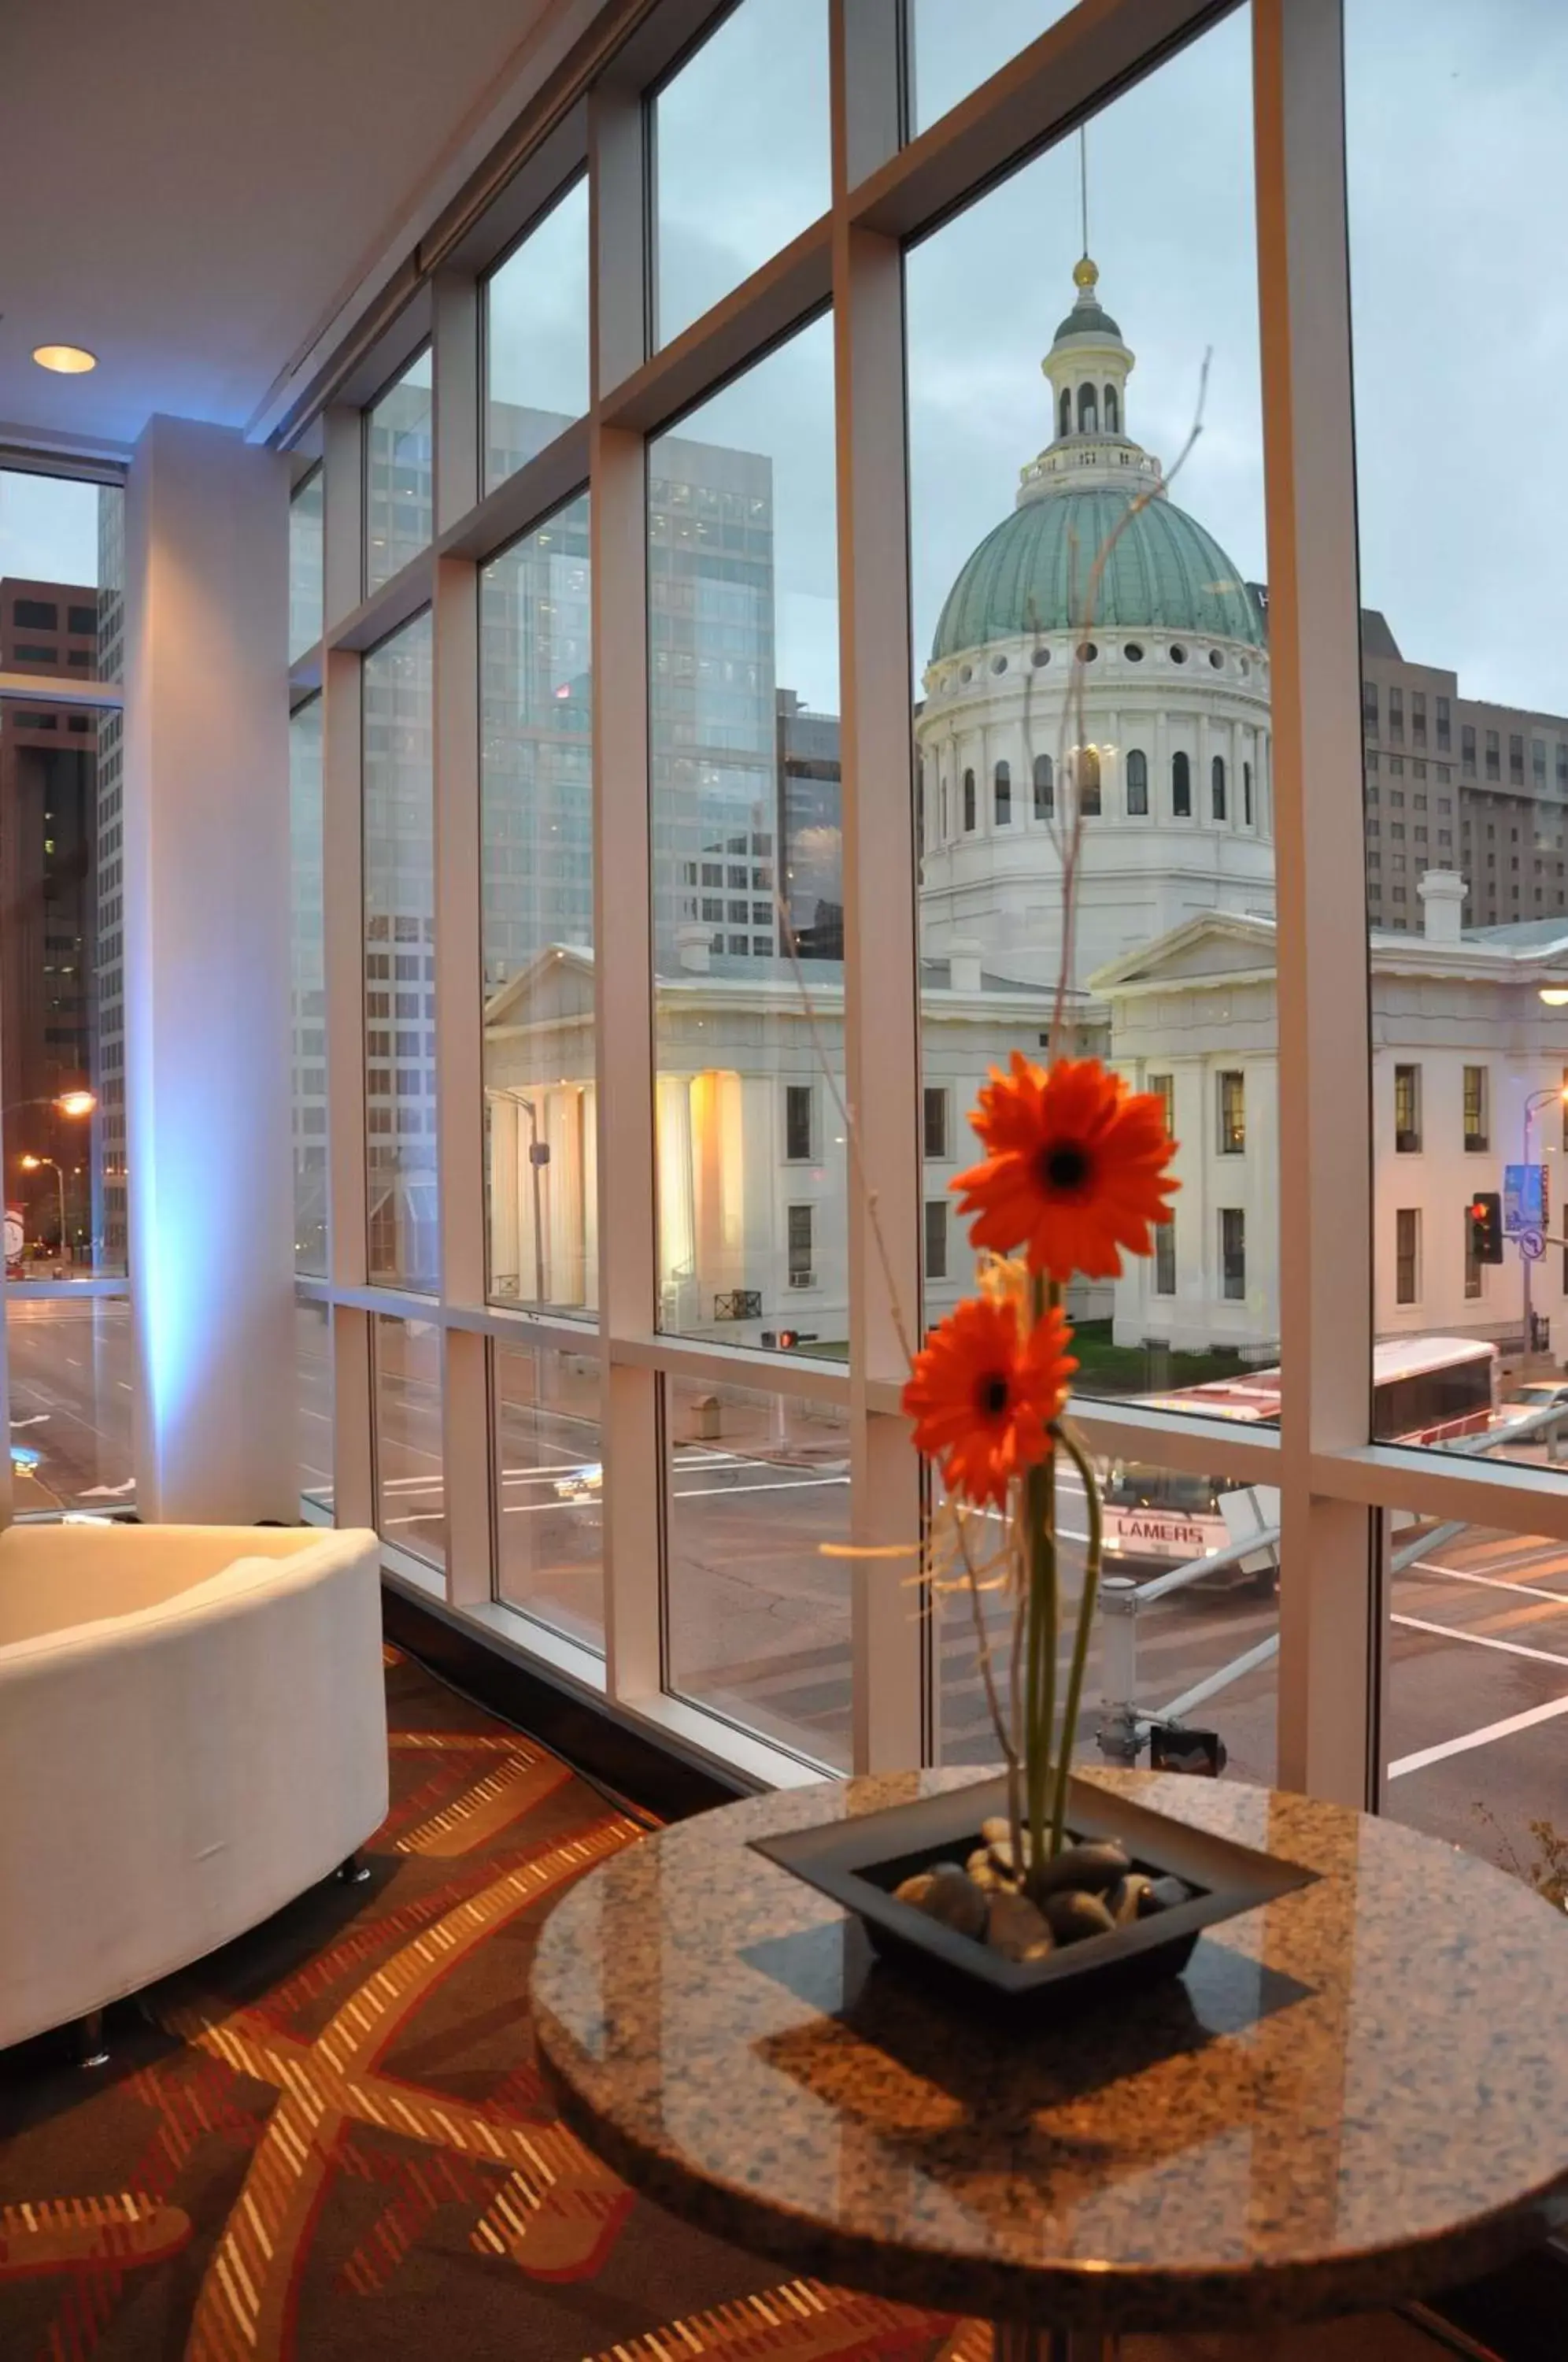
<point x="757" y="1620"/>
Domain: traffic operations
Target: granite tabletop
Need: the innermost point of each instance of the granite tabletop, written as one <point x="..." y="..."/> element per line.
<point x="1354" y="2094"/>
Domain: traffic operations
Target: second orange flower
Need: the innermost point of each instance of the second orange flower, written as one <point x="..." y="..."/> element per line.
<point x="1076" y="1168"/>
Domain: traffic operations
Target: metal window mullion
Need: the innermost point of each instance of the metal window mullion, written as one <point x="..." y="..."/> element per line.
<point x="633" y="1459"/>
<point x="1329" y="1598"/>
<point x="883" y="1045"/>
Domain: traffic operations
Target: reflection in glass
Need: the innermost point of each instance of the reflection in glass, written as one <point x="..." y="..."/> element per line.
<point x="400" y="472"/>
<point x="538" y="871"/>
<point x="956" y="49"/>
<point x="1202" y="1653"/>
<point x="400" y="960"/>
<point x="549" y="1489"/>
<point x="744" y="757"/>
<point x="72" y="1375"/>
<point x="307" y="990"/>
<point x="411" y="1491"/>
<point x="1129" y="694"/>
<point x="313" y="1360"/>
<point x="536" y="337"/>
<point x="740" y="136"/>
<point x="759" y="1620"/>
<point x="306" y="516"/>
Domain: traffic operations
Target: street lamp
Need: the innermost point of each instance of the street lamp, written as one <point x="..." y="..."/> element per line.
<point x="36" y="1164"/>
<point x="1536" y="1099"/>
<point x="69" y="1103"/>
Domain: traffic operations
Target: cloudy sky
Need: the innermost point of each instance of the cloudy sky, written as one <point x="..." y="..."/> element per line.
<point x="1457" y="115"/>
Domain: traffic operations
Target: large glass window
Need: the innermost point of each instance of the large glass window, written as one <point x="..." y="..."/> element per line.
<point x="549" y="1489"/>
<point x="308" y="986"/>
<point x="72" y="1377"/>
<point x="410" y="1484"/>
<point x="1041" y="521"/>
<point x="732" y="186"/>
<point x="759" y="1619"/>
<point x="400" y="961"/>
<point x="956" y="49"/>
<point x="313" y="1363"/>
<point x="400" y="472"/>
<point x="744" y="649"/>
<point x="306" y="518"/>
<point x="538" y="924"/>
<point x="536" y="320"/>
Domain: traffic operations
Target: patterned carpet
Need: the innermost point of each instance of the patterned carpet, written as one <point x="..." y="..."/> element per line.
<point x="330" y="2140"/>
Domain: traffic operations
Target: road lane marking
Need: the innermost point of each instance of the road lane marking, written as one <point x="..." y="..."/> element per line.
<point x="1472" y="1738"/>
<point x="1480" y="1639"/>
<point x="727" y="1491"/>
<point x="1487" y="1582"/>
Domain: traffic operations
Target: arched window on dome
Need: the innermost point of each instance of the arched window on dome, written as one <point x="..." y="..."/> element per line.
<point x="919" y="805"/>
<point x="1137" y="783"/>
<point x="1065" y="413"/>
<point x="1044" y="789"/>
<point x="1247" y="794"/>
<point x="945" y="830"/>
<point x="1002" y="783"/>
<point x="1217" y="781"/>
<point x="1087" y="767"/>
<point x="1088" y="413"/>
<point x="1181" y="786"/>
<point x="968" y="802"/>
<point x="1112" y="415"/>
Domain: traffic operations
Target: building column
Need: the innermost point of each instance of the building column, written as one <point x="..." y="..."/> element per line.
<point x="206" y="911"/>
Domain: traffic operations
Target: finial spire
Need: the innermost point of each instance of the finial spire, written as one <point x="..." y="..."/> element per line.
<point x="1083" y="188"/>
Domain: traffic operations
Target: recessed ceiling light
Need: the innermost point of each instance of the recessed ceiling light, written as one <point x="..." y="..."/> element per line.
<point x="67" y="360"/>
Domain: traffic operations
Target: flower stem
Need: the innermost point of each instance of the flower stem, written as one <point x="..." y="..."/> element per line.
<point x="1040" y="1495"/>
<point x="1075" y="1452"/>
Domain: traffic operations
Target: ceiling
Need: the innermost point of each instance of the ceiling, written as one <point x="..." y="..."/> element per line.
<point x="195" y="190"/>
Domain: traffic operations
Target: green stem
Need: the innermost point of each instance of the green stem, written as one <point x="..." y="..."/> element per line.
<point x="1040" y="1493"/>
<point x="1080" y="1646"/>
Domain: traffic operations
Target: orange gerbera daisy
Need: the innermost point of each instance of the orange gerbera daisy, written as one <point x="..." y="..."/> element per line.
<point x="1074" y="1167"/>
<point x="983" y="1393"/>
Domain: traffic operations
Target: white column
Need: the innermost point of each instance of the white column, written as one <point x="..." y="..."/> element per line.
<point x="206" y="868"/>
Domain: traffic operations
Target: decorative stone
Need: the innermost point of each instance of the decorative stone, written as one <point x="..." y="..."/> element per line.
<point x="1017" y="1930"/>
<point x="1087" y="1868"/>
<point x="987" y="1873"/>
<point x="1127" y="1899"/>
<point x="1165" y="1893"/>
<point x="1076" y="1916"/>
<point x="997" y="1831"/>
<point x="954" y="1898"/>
<point x="915" y="1890"/>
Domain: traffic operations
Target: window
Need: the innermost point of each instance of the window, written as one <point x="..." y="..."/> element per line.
<point x="1232" y="1114"/>
<point x="1217" y="780"/>
<point x="400" y="928"/>
<point x="799" y="1123"/>
<point x="1137" y="783"/>
<point x="722" y="208"/>
<point x="801" y="1273"/>
<point x="547" y="1458"/>
<point x="1232" y="1252"/>
<point x="306" y="523"/>
<point x="1247" y="795"/>
<point x="1369" y="708"/>
<point x="399" y="473"/>
<point x="1467" y="750"/>
<point x="307" y="982"/>
<point x="1419" y="716"/>
<point x="1407" y="1246"/>
<point x="1474" y="1269"/>
<point x="535" y="338"/>
<point x="411" y="1487"/>
<point x="1444" y="726"/>
<point x="537" y="881"/>
<point x="1476" y="1137"/>
<point x="1165" y="1257"/>
<point x="935" y="1102"/>
<point x="968" y="802"/>
<point x="1088" y="772"/>
<point x="1396" y="713"/>
<point x="936" y="1238"/>
<point x="1493" y="758"/>
<point x="1516" y="757"/>
<point x="1407" y="1109"/>
<point x="1044" y="789"/>
<point x="1003" y="786"/>
<point x="1181" y="786"/>
<point x="1163" y="1088"/>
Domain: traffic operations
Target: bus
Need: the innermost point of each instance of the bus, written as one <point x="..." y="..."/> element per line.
<point x="1425" y="1390"/>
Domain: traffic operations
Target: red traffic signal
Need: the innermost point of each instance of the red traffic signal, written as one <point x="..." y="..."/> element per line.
<point x="1484" y="1218"/>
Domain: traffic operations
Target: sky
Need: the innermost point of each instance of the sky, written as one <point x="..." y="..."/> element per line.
<point x="1457" y="114"/>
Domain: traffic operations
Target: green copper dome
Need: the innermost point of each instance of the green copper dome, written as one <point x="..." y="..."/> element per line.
<point x="1031" y="575"/>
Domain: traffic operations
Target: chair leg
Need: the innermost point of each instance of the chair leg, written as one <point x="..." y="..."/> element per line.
<point x="353" y="1873"/>
<point x="88" y="2031"/>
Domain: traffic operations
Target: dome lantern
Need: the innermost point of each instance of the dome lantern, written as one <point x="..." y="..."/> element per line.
<point x="1088" y="366"/>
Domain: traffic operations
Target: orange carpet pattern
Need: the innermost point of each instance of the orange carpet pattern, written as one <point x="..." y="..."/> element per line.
<point x="331" y="2139"/>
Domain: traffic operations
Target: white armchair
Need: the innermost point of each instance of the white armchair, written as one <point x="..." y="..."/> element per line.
<point x="192" y="1731"/>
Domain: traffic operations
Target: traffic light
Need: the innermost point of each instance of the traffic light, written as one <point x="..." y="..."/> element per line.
<point x="787" y="1340"/>
<point x="1485" y="1218"/>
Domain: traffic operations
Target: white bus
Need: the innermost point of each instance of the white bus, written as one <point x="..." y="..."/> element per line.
<point x="1425" y="1390"/>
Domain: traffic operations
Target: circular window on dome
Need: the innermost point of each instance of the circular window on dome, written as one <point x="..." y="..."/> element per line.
<point x="998" y="664"/>
<point x="966" y="672"/>
<point x="1216" y="659"/>
<point x="1041" y="657"/>
<point x="1086" y="652"/>
<point x="1134" y="652"/>
<point x="1178" y="656"/>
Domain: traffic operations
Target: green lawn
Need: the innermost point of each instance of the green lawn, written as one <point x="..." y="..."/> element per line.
<point x="1105" y="1368"/>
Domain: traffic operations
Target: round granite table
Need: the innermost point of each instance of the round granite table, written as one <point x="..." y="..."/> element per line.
<point x="1353" y="2096"/>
